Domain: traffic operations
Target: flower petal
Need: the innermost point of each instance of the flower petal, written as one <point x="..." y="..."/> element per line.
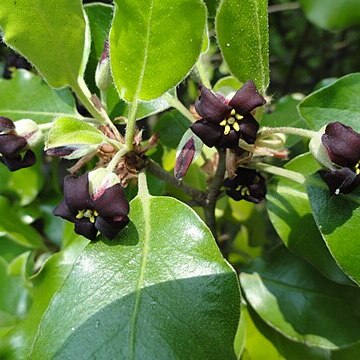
<point x="209" y="133"/>
<point x="11" y="144"/>
<point x="110" y="228"/>
<point x="85" y="228"/>
<point x="112" y="202"/>
<point x="76" y="193"/>
<point x="343" y="180"/>
<point x="230" y="141"/>
<point x="247" y="99"/>
<point x="342" y="144"/>
<point x="6" y="124"/>
<point x="210" y="107"/>
<point x="18" y="162"/>
<point x="248" y="129"/>
<point x="63" y="211"/>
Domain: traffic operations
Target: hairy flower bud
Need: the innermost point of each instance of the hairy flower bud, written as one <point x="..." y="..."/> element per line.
<point x="103" y="73"/>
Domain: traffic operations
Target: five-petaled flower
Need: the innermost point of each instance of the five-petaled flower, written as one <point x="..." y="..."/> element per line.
<point x="103" y="209"/>
<point x="248" y="184"/>
<point x="343" y="147"/>
<point x="15" y="138"/>
<point x="224" y="122"/>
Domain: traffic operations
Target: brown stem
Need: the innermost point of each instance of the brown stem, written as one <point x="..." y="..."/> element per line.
<point x="214" y="191"/>
<point x="198" y="196"/>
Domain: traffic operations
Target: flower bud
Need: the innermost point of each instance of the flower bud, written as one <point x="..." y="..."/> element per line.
<point x="29" y="130"/>
<point x="103" y="73"/>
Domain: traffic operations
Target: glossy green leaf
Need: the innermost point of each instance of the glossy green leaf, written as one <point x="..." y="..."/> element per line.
<point x="164" y="281"/>
<point x="227" y="85"/>
<point x="243" y="36"/>
<point x="16" y="345"/>
<point x="171" y="127"/>
<point x="332" y="15"/>
<point x="118" y="107"/>
<point x="58" y="45"/>
<point x="337" y="102"/>
<point x="13" y="228"/>
<point x="338" y="218"/>
<point x="34" y="99"/>
<point x="140" y="45"/>
<point x="284" y="113"/>
<point x="70" y="131"/>
<point x="297" y="301"/>
<point x="290" y="213"/>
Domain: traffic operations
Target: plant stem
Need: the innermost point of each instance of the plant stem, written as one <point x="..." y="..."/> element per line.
<point x="115" y="160"/>
<point x="142" y="185"/>
<point x="213" y="193"/>
<point x="265" y="131"/>
<point x="45" y="127"/>
<point x="289" y="174"/>
<point x="202" y="74"/>
<point x="131" y="125"/>
<point x="179" y="106"/>
<point x="103" y="96"/>
<point x="159" y="172"/>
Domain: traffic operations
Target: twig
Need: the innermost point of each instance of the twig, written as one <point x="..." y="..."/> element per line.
<point x="198" y="196"/>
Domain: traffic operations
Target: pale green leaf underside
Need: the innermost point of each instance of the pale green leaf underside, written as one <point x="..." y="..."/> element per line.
<point x="51" y="34"/>
<point x="34" y="99"/>
<point x="162" y="273"/>
<point x="154" y="44"/>
<point x="71" y="131"/>
<point x="243" y="36"/>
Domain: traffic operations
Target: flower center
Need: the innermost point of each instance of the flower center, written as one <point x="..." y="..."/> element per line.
<point x="357" y="168"/>
<point x="231" y="122"/>
<point x="90" y="214"/>
<point x="244" y="190"/>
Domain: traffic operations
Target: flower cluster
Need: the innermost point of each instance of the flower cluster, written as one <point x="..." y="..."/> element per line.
<point x="15" y="139"/>
<point x="103" y="208"/>
<point x="248" y="184"/>
<point x="342" y="144"/>
<point x="224" y="121"/>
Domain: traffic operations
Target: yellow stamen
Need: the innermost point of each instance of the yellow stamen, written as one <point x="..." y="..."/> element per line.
<point x="231" y="120"/>
<point x="90" y="214"/>
<point x="245" y="191"/>
<point x="233" y="112"/>
<point x="236" y="126"/>
<point x="80" y="214"/>
<point x="357" y="168"/>
<point x="227" y="129"/>
<point x="223" y="123"/>
<point x="239" y="117"/>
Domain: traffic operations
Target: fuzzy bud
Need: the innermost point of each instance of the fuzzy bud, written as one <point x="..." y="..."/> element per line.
<point x="103" y="73"/>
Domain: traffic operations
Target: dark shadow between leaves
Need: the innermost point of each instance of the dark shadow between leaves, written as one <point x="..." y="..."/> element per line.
<point x="128" y="236"/>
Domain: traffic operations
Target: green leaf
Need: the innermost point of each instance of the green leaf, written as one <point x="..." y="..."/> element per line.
<point x="164" y="281"/>
<point x="297" y="301"/>
<point x="337" y="102"/>
<point x="118" y="107"/>
<point x="45" y="284"/>
<point x="284" y="113"/>
<point x="59" y="41"/>
<point x="227" y="85"/>
<point x="100" y="16"/>
<point x="140" y="50"/>
<point x="34" y="99"/>
<point x="290" y="213"/>
<point x="13" y="228"/>
<point x="332" y="15"/>
<point x="338" y="218"/>
<point x="171" y="127"/>
<point x="71" y="131"/>
<point x="243" y="36"/>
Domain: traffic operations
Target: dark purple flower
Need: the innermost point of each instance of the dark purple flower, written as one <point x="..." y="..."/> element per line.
<point x="106" y="211"/>
<point x="342" y="144"/>
<point x="13" y="148"/>
<point x="248" y="184"/>
<point x="224" y="122"/>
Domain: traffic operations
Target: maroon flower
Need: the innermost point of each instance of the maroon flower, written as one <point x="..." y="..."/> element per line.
<point x="224" y="122"/>
<point x="343" y="147"/>
<point x="248" y="184"/>
<point x="13" y="148"/>
<point x="106" y="211"/>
